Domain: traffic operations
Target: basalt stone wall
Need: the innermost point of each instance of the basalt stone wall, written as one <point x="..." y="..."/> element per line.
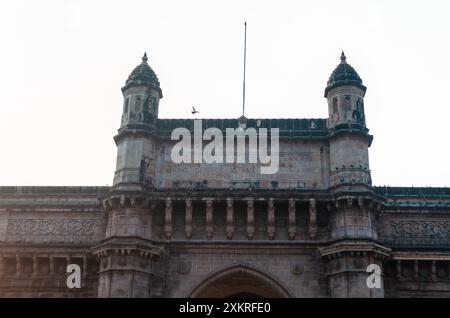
<point x="302" y="164"/>
<point x="51" y="215"/>
<point x="186" y="270"/>
<point x="42" y="230"/>
<point x="415" y="224"/>
<point x="303" y="157"/>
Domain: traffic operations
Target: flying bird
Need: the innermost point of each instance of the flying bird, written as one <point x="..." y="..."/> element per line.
<point x="194" y="111"/>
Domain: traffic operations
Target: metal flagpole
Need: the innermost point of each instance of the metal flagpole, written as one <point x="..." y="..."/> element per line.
<point x="245" y="56"/>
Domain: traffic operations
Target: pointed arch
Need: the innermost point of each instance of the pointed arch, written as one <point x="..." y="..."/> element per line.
<point x="237" y="281"/>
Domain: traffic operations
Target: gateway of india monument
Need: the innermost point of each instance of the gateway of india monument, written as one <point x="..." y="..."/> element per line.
<point x="168" y="229"/>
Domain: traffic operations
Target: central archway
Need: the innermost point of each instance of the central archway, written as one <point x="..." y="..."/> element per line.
<point x="239" y="282"/>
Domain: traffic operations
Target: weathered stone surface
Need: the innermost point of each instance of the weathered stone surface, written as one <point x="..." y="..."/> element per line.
<point x="216" y="230"/>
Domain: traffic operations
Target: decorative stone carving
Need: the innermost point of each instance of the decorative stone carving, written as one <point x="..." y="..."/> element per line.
<point x="121" y="260"/>
<point x="126" y="200"/>
<point x="297" y="269"/>
<point x="46" y="230"/>
<point x="183" y="267"/>
<point x="420" y="229"/>
<point x="51" y="226"/>
<point x="419" y="232"/>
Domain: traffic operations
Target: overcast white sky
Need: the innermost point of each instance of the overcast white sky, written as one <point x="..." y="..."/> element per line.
<point x="62" y="64"/>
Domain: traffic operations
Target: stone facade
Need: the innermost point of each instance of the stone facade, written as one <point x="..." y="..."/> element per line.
<point x="216" y="230"/>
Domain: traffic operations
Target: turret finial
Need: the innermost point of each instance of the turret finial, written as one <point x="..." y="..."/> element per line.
<point x="145" y="58"/>
<point x="343" y="57"/>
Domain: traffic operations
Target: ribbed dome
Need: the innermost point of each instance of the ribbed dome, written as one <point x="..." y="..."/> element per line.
<point x="344" y="75"/>
<point x="143" y="75"/>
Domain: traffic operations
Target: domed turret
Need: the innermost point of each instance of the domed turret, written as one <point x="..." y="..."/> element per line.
<point x="344" y="75"/>
<point x="135" y="143"/>
<point x="345" y="94"/>
<point x="143" y="75"/>
<point x="349" y="142"/>
<point x="141" y="93"/>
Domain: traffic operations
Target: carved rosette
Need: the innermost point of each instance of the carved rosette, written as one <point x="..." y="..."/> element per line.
<point x="184" y="267"/>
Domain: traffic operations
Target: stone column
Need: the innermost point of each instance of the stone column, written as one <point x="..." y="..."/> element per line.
<point x="168" y="227"/>
<point x="209" y="219"/>
<point x="85" y="269"/>
<point x="35" y="266"/>
<point x="2" y="266"/>
<point x="416" y="269"/>
<point x="312" y="219"/>
<point x="433" y="270"/>
<point x="68" y="261"/>
<point x="448" y="270"/>
<point x="126" y="272"/>
<point x="354" y="247"/>
<point x="127" y="256"/>
<point x="250" y="219"/>
<point x="18" y="265"/>
<point x="52" y="266"/>
<point x="188" y="228"/>
<point x="109" y="227"/>
<point x="230" y="212"/>
<point x="398" y="269"/>
<point x="271" y="219"/>
<point x="292" y="227"/>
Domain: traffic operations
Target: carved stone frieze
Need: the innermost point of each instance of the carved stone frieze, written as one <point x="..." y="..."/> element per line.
<point x="409" y="232"/>
<point x="51" y="229"/>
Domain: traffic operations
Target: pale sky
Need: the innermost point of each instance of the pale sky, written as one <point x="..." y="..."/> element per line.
<point x="62" y="64"/>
